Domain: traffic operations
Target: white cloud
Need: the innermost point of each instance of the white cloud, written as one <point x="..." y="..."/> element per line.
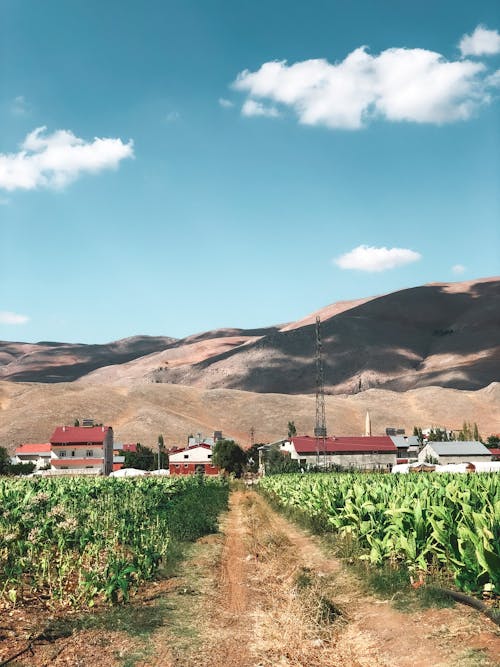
<point x="458" y="269"/>
<point x="227" y="104"/>
<point x="172" y="116"/>
<point x="54" y="160"/>
<point x="20" y="106"/>
<point x="12" y="318"/>
<point x="253" y="108"/>
<point x="368" y="258"/>
<point x="399" y="84"/>
<point x="482" y="42"/>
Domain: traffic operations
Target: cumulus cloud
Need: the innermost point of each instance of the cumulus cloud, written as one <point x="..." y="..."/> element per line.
<point x="254" y="108"/>
<point x="458" y="269"/>
<point x="20" y="106"/>
<point x="369" y="258"/>
<point x="482" y="42"/>
<point x="172" y="116"/>
<point x="12" y="318"/>
<point x="54" y="160"/>
<point x="227" y="104"/>
<point x="398" y="84"/>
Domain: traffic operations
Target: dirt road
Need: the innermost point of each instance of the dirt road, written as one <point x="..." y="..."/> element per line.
<point x="263" y="593"/>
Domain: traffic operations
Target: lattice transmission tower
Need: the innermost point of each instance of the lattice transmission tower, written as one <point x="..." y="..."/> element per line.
<point x="320" y="426"/>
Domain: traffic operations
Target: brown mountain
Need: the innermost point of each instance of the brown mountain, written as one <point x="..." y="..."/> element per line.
<point x="65" y="362"/>
<point x="442" y="334"/>
<point x="437" y="335"/>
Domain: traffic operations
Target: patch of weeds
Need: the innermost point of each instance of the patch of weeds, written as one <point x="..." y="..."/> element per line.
<point x="132" y="658"/>
<point x="327" y="612"/>
<point x="393" y="582"/>
<point x="304" y="578"/>
<point x="309" y="588"/>
<point x="473" y="657"/>
<point x="138" y="621"/>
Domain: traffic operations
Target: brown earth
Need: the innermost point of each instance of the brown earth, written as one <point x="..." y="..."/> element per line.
<point x="264" y="593"/>
<point x="30" y="412"/>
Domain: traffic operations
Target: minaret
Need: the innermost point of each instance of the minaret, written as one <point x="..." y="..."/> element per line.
<point x="368" y="424"/>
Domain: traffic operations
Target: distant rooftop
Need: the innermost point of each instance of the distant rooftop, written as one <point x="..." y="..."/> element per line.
<point x="460" y="448"/>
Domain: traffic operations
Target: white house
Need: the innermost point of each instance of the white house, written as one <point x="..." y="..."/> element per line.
<point x="192" y="459"/>
<point x="39" y="454"/>
<point x="82" y="449"/>
<point x="360" y="452"/>
<point x="455" y="451"/>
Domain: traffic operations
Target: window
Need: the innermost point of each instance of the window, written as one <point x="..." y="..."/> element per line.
<point x="90" y="452"/>
<point x="186" y="456"/>
<point x="186" y="465"/>
<point x="177" y="466"/>
<point x="209" y="456"/>
<point x="62" y="454"/>
<point x="72" y="452"/>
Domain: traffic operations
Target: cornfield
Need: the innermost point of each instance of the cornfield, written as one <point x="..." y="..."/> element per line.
<point x="73" y="540"/>
<point x="449" y="522"/>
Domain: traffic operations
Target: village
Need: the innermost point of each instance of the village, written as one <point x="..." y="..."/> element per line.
<point x="90" y="449"/>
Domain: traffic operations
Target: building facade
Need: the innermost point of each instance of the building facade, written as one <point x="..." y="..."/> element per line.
<point x="82" y="449"/>
<point x="454" y="451"/>
<point x="193" y="459"/>
<point x="39" y="454"/>
<point x="357" y="452"/>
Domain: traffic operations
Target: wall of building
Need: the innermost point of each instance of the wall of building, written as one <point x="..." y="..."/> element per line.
<point x="360" y="461"/>
<point x="191" y="468"/>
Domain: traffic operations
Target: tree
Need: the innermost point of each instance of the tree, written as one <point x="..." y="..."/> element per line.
<point x="8" y="468"/>
<point x="417" y="430"/>
<point x="4" y="461"/>
<point x="493" y="441"/>
<point x="252" y="463"/>
<point x="228" y="456"/>
<point x="292" y="431"/>
<point x="162" y="454"/>
<point x="477" y="437"/>
<point x="142" y="459"/>
<point x="276" y="463"/>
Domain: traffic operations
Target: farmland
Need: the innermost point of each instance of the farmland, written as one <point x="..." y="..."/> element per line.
<point x="446" y="523"/>
<point x="73" y="541"/>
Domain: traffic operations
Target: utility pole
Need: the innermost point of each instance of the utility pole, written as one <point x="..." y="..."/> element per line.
<point x="320" y="425"/>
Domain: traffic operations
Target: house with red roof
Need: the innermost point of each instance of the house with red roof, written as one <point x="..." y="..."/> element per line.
<point x="84" y="449"/>
<point x="39" y="454"/>
<point x="195" y="458"/>
<point x="357" y="452"/>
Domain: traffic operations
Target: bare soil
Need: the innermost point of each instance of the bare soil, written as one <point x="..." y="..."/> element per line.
<point x="261" y="593"/>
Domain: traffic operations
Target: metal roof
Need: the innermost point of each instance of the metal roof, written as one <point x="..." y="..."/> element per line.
<point x="459" y="448"/>
<point x="404" y="440"/>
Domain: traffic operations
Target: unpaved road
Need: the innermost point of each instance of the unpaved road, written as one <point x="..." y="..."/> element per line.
<point x="263" y="593"/>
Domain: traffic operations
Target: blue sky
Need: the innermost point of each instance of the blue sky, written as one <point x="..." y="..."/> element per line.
<point x="253" y="162"/>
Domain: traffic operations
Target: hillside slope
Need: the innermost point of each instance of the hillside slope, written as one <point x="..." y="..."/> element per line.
<point x="30" y="412"/>
<point x="65" y="362"/>
<point x="446" y="335"/>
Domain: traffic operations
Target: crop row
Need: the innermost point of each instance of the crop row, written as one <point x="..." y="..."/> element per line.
<point x="74" y="539"/>
<point x="448" y="521"/>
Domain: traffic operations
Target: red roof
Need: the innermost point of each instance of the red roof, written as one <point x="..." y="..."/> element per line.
<point x="75" y="434"/>
<point x="29" y="448"/>
<point x="495" y="452"/>
<point x="307" y="445"/>
<point x="132" y="447"/>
